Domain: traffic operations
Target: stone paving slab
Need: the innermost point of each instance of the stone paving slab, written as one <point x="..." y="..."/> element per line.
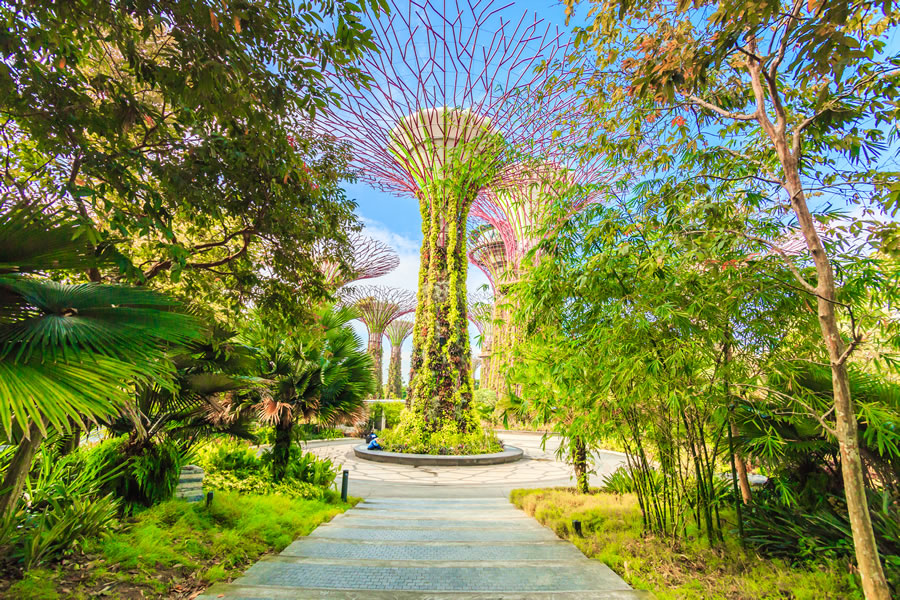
<point x="435" y="523"/>
<point x="434" y="551"/>
<point x="430" y="535"/>
<point x="581" y="577"/>
<point x="247" y="592"/>
<point x="369" y="552"/>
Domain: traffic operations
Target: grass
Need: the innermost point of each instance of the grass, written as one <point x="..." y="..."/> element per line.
<point x="680" y="569"/>
<point x="175" y="549"/>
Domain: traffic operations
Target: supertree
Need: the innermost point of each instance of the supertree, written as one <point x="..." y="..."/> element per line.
<point x="369" y="258"/>
<point x="481" y="314"/>
<point x="457" y="92"/>
<point x="378" y="306"/>
<point x="511" y="217"/>
<point x="396" y="332"/>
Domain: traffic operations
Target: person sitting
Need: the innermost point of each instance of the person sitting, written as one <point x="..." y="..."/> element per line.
<point x="373" y="442"/>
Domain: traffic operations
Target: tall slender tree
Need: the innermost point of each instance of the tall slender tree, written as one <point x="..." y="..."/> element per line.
<point x="804" y="91"/>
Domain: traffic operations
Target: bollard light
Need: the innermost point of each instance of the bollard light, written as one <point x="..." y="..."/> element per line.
<point x="345" y="480"/>
<point x="576" y="525"/>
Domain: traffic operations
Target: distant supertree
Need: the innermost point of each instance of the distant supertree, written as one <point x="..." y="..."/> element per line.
<point x="396" y="332"/>
<point x="481" y="313"/>
<point x="378" y="306"/>
<point x="369" y="258"/>
<point x="457" y="95"/>
<point x="487" y="251"/>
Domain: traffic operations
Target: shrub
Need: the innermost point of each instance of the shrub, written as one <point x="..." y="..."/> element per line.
<point x="306" y="467"/>
<point x="823" y="531"/>
<point x="413" y="437"/>
<point x="145" y="475"/>
<point x="64" y="506"/>
<point x="391" y="411"/>
<point x="261" y="483"/>
<point x="228" y="455"/>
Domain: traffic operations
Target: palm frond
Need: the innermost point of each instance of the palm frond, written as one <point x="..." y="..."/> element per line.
<point x="31" y="240"/>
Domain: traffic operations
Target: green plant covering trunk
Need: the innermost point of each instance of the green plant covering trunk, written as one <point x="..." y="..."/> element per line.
<point x="451" y="154"/>
<point x="377" y="354"/>
<point x="394" y="383"/>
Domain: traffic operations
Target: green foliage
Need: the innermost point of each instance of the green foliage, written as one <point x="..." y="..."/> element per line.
<point x="145" y="475"/>
<point x="234" y="466"/>
<point x="682" y="569"/>
<point x="813" y="532"/>
<point x="305" y="467"/>
<point x="228" y="455"/>
<point x="66" y="506"/>
<point x="485" y="404"/>
<point x="178" y="132"/>
<point x="64" y="343"/>
<point x="176" y="540"/>
<point x="391" y="411"/>
<point x="414" y="437"/>
<point x="263" y="484"/>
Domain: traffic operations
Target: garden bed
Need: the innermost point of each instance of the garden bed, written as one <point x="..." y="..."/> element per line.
<point x="174" y="550"/>
<point x="680" y="569"/>
<point x="509" y="454"/>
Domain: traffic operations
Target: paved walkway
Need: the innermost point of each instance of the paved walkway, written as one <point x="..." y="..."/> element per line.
<point x="538" y="468"/>
<point x="434" y="548"/>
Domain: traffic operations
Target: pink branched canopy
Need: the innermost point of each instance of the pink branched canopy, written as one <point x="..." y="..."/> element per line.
<point x="531" y="199"/>
<point x="369" y="258"/>
<point x="397" y="332"/>
<point x="378" y="305"/>
<point x="460" y="54"/>
<point x="480" y="311"/>
<point x="487" y="251"/>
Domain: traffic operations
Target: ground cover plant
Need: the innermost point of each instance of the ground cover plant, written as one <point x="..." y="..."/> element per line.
<point x="238" y="467"/>
<point x="413" y="436"/>
<point x="684" y="568"/>
<point x="175" y="549"/>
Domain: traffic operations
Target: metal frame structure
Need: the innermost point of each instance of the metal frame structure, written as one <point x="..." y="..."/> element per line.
<point x="457" y="95"/>
<point x="369" y="258"/>
<point x="377" y="307"/>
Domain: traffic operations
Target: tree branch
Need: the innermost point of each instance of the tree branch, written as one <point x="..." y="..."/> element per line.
<point x="721" y="111"/>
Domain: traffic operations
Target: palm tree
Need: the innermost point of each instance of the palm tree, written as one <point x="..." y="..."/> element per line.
<point x="70" y="352"/>
<point x="324" y="376"/>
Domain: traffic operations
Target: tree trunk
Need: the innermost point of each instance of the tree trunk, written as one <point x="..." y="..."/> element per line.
<point x="375" y="351"/>
<point x="874" y="583"/>
<point x="741" y="468"/>
<point x="281" y="449"/>
<point x="14" y="480"/>
<point x="579" y="461"/>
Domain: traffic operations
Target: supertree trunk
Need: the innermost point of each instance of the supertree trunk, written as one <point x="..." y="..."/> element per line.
<point x="395" y="384"/>
<point x="376" y="351"/>
<point x="378" y="307"/>
<point x="441" y="384"/>
<point x="396" y="332"/>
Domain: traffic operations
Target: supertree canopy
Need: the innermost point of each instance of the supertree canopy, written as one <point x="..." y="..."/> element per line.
<point x="396" y="332"/>
<point x="378" y="306"/>
<point x="456" y="97"/>
<point x="369" y="258"/>
<point x="487" y="251"/>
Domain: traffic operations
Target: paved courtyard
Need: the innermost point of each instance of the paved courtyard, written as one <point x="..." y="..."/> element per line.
<point x="538" y="468"/>
<point x="434" y="548"/>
